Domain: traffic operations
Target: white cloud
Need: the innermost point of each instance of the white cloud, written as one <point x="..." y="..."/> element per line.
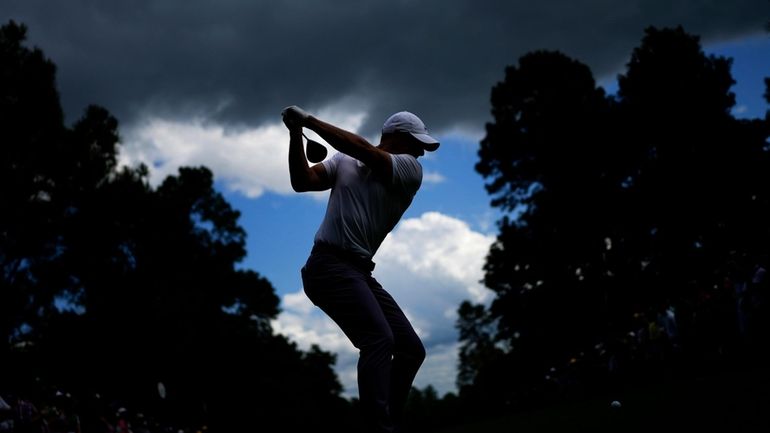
<point x="307" y="325"/>
<point x="433" y="177"/>
<point x="249" y="161"/>
<point x="438" y="249"/>
<point x="430" y="265"/>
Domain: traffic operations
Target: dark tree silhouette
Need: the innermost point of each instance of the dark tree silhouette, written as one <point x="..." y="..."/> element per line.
<point x="147" y="277"/>
<point x="627" y="205"/>
<point x="548" y="153"/>
<point x="31" y="125"/>
<point x="482" y="362"/>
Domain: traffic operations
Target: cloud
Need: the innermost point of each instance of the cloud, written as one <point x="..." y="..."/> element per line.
<point x="433" y="177"/>
<point x="429" y="265"/>
<point x="307" y="325"/>
<point x="250" y="161"/>
<point x="243" y="60"/>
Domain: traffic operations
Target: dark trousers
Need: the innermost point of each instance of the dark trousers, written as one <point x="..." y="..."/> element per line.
<point x="390" y="350"/>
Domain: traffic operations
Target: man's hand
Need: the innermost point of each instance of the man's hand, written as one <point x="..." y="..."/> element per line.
<point x="303" y="177"/>
<point x="294" y="117"/>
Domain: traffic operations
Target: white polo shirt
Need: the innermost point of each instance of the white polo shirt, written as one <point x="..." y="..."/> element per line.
<point x="363" y="209"/>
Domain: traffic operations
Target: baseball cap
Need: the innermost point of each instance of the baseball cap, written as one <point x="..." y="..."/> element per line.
<point x="404" y="121"/>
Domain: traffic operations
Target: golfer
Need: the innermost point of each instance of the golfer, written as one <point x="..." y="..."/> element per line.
<point x="371" y="187"/>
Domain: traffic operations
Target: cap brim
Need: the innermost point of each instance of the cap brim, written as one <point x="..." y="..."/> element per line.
<point x="428" y="143"/>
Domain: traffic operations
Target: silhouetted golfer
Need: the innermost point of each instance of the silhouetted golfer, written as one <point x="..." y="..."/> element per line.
<point x="371" y="187"/>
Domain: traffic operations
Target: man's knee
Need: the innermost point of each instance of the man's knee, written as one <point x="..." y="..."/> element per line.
<point x="416" y="351"/>
<point x="420" y="352"/>
<point x="384" y="342"/>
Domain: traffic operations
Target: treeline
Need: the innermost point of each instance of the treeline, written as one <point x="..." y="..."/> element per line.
<point x="113" y="288"/>
<point x="640" y="251"/>
<point x="634" y="246"/>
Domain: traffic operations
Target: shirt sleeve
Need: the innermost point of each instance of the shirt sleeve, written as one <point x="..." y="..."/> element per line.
<point x="331" y="165"/>
<point x="407" y="172"/>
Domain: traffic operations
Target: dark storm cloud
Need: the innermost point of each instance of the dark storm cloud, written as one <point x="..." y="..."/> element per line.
<point x="240" y="61"/>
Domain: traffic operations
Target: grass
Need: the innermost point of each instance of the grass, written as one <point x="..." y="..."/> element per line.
<point x="730" y="402"/>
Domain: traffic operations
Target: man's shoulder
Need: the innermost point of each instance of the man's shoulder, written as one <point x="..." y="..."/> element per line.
<point x="407" y="171"/>
<point x="406" y="159"/>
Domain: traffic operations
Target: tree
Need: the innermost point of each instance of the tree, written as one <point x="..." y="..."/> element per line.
<point x="482" y="361"/>
<point x="145" y="279"/>
<point x="31" y="124"/>
<point x="546" y="154"/>
<point x="626" y="203"/>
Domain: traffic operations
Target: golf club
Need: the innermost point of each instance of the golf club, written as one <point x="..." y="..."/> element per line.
<point x="316" y="152"/>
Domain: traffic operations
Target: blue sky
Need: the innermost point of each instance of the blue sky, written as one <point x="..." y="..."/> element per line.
<point x="751" y="64"/>
<point x="202" y="82"/>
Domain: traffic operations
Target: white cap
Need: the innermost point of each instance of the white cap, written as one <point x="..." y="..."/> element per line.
<point x="404" y="121"/>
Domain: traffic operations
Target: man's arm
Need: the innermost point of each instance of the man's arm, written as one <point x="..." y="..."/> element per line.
<point x="346" y="142"/>
<point x="303" y="177"/>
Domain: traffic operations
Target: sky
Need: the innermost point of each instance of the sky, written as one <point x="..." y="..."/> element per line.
<point x="197" y="82"/>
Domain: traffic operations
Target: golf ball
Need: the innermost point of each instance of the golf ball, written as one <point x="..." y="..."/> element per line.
<point x="615" y="404"/>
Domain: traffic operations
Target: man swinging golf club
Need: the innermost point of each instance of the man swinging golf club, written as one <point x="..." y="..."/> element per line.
<point x="371" y="187"/>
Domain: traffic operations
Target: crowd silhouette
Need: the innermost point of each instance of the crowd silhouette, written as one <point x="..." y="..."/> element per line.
<point x="41" y="408"/>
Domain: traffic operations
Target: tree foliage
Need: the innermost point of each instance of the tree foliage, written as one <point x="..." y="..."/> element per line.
<point x="626" y="203"/>
<point x="111" y="286"/>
